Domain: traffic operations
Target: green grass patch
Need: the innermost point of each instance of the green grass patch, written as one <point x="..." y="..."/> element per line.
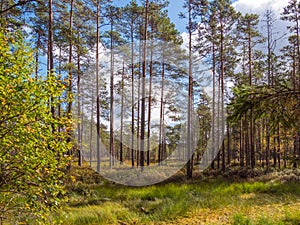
<point x="286" y="219"/>
<point x="240" y="219"/>
<point x="177" y="202"/>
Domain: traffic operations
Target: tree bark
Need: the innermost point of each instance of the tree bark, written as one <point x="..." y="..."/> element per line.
<point x="132" y="93"/>
<point x="122" y="114"/>
<point x="143" y="107"/>
<point x="149" y="107"/>
<point x="79" y="110"/>
<point x="70" y="75"/>
<point x="111" y="126"/>
<point x="189" y="166"/>
<point x="161" y="121"/>
<point x="98" y="86"/>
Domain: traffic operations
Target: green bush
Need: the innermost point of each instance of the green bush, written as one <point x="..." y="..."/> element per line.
<point x="32" y="140"/>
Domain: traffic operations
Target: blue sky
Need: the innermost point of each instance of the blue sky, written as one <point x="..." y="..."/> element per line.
<point x="175" y="7"/>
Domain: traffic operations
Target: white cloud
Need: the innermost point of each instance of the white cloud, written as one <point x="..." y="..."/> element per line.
<point x="260" y="6"/>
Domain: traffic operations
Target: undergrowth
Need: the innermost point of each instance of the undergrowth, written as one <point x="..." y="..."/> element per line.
<point x="92" y="200"/>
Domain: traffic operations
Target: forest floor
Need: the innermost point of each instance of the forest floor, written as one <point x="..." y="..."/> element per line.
<point x="209" y="198"/>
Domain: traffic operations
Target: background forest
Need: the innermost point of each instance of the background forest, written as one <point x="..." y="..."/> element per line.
<point x="91" y="83"/>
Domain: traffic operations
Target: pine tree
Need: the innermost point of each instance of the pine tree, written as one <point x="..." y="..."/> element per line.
<point x="225" y="18"/>
<point x="248" y="33"/>
<point x="129" y="27"/>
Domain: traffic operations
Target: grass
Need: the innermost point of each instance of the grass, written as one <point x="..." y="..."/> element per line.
<point x="209" y="201"/>
<point x="287" y="218"/>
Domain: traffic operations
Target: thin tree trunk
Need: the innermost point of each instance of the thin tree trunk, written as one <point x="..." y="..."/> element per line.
<point x="138" y="110"/>
<point x="91" y="129"/>
<point x="248" y="159"/>
<point x="78" y="110"/>
<point x="132" y="95"/>
<point x="252" y="151"/>
<point x="268" y="148"/>
<point x="274" y="152"/>
<point x="228" y="145"/>
<point x="161" y="121"/>
<point x="98" y="86"/>
<point x="149" y="107"/>
<point x="50" y="50"/>
<point x="164" y="146"/>
<point x="122" y="114"/>
<point x="270" y="82"/>
<point x="189" y="165"/>
<point x="258" y="141"/>
<point x="295" y="164"/>
<point x="111" y="136"/>
<point x="143" y="107"/>
<point x="50" y="39"/>
<point x="213" y="106"/>
<point x="222" y="96"/>
<point x="285" y="149"/>
<point x="242" y="149"/>
<point x="38" y="44"/>
<point x="70" y="75"/>
<point x="59" y="78"/>
<point x="278" y="147"/>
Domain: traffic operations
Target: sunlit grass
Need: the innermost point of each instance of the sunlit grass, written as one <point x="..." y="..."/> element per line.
<point x="287" y="218"/>
<point x="209" y="201"/>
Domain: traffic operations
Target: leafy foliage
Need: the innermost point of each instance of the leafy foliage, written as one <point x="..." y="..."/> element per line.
<point x="279" y="103"/>
<point x="32" y="140"/>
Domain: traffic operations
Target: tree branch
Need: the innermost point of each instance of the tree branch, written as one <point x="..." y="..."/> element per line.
<point x="19" y="3"/>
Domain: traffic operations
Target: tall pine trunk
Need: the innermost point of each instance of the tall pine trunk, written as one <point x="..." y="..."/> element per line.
<point x="132" y="94"/>
<point x="122" y="114"/>
<point x="91" y="129"/>
<point x="111" y="124"/>
<point x="50" y="49"/>
<point x="161" y="120"/>
<point x="149" y="106"/>
<point x="242" y="149"/>
<point x="213" y="106"/>
<point x="222" y="69"/>
<point x="189" y="165"/>
<point x="143" y="107"/>
<point x="98" y="85"/>
<point x="252" y="151"/>
<point x="79" y="135"/>
<point x="70" y="74"/>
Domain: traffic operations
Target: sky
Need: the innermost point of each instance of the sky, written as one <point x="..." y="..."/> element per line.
<point x="260" y="7"/>
<point x="243" y="6"/>
<point x="175" y="7"/>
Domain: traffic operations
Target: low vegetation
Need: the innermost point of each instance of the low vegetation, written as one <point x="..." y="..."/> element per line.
<point x="267" y="199"/>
